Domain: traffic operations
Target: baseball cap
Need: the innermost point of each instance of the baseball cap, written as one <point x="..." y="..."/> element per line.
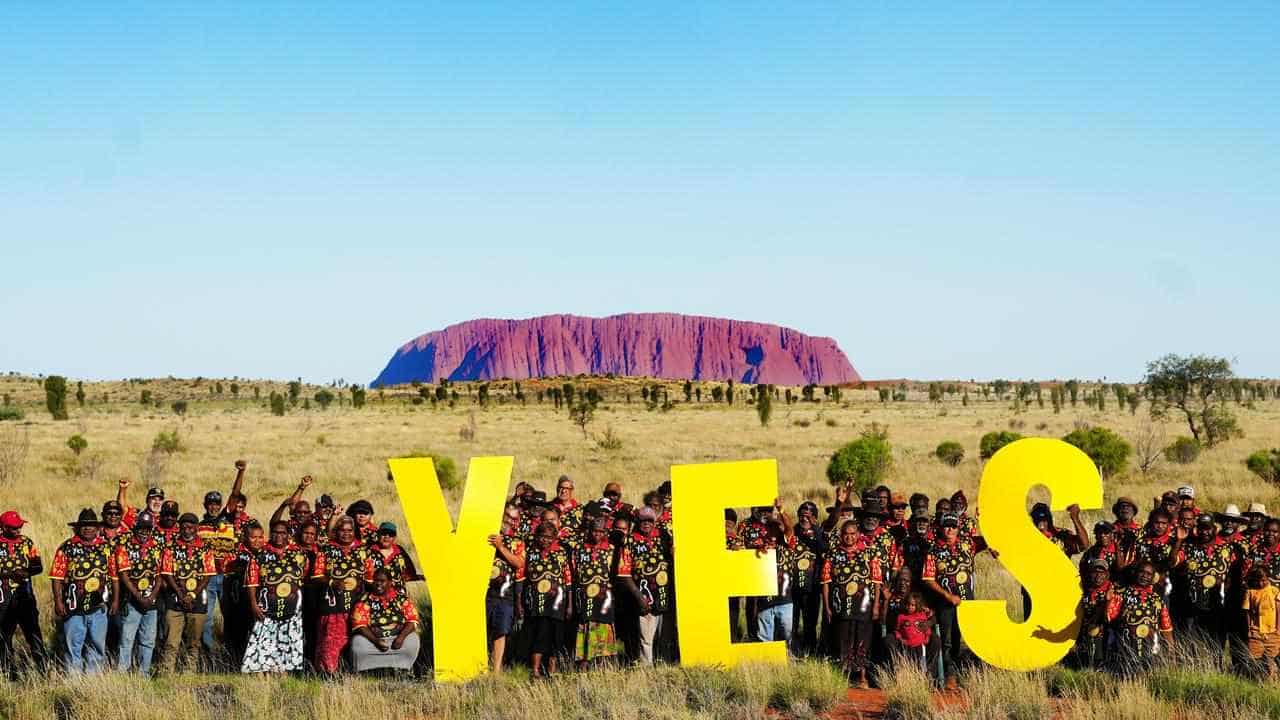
<point x="213" y="496"/>
<point x="144" y="521"/>
<point x="1104" y="527"/>
<point x="155" y="492"/>
<point x="325" y="501"/>
<point x="1186" y="491"/>
<point x="387" y="528"/>
<point x="11" y="519"/>
<point x="950" y="520"/>
<point x="1099" y="563"/>
<point x="1204" y="519"/>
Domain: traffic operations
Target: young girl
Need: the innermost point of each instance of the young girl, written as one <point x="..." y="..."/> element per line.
<point x="1262" y="613"/>
<point x="913" y="635"/>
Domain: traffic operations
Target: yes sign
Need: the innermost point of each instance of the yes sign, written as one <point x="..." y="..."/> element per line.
<point x="456" y="561"/>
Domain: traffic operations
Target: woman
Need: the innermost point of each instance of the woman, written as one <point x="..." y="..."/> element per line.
<point x="236" y="616"/>
<point x="389" y="554"/>
<point x="342" y="569"/>
<point x="273" y="585"/>
<point x="545" y="597"/>
<point x="384" y="624"/>
<point x="308" y="541"/>
<point x="851" y="598"/>
<point x="593" y="597"/>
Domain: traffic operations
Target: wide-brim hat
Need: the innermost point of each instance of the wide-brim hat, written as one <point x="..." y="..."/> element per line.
<point x="1230" y="512"/>
<point x="1125" y="501"/>
<point x="1256" y="509"/>
<point x="87" y="518"/>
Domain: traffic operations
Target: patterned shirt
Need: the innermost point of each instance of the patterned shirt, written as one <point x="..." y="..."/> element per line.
<point x="276" y="575"/>
<point x="1093" y="611"/>
<point x="807" y="554"/>
<point x="787" y="567"/>
<point x="647" y="561"/>
<point x="142" y="562"/>
<point x="187" y="562"/>
<point x="549" y="578"/>
<point x="397" y="563"/>
<point x="1202" y="571"/>
<point x="951" y="566"/>
<point x="351" y="566"/>
<point x="852" y="573"/>
<point x="503" y="576"/>
<point x="385" y="615"/>
<point x="16" y="554"/>
<point x="84" y="568"/>
<point x="593" y="591"/>
<point x="1139" y="613"/>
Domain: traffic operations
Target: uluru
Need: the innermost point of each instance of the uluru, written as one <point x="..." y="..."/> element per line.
<point x="662" y="345"/>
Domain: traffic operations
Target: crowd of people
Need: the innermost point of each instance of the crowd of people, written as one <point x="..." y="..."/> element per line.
<point x="575" y="585"/>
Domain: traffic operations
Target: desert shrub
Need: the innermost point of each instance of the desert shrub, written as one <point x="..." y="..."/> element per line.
<point x="801" y="422"/>
<point x="831" y="422"/>
<point x="77" y="443"/>
<point x="144" y="398"/>
<point x="949" y="452"/>
<point x="14" y="445"/>
<point x="277" y="404"/>
<point x="55" y="396"/>
<point x="991" y="443"/>
<point x="1183" y="450"/>
<point x="180" y="407"/>
<point x="609" y="440"/>
<point x="8" y="412"/>
<point x="582" y="414"/>
<point x="861" y="463"/>
<point x="1106" y="449"/>
<point x="446" y="469"/>
<point x="764" y="408"/>
<point x="1265" y="464"/>
<point x="167" y="442"/>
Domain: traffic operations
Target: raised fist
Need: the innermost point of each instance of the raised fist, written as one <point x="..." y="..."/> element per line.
<point x="240" y="464"/>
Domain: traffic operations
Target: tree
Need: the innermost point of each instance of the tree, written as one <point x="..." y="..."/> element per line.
<point x="593" y="396"/>
<point x="991" y="443"/>
<point x="77" y="443"/>
<point x="277" y="403"/>
<point x="145" y="397"/>
<point x="935" y="392"/>
<point x="295" y="390"/>
<point x="582" y="414"/>
<point x="567" y="391"/>
<point x="862" y="463"/>
<point x="482" y="395"/>
<point x="323" y="397"/>
<point x="697" y="393"/>
<point x="357" y="396"/>
<point x="688" y="391"/>
<point x="728" y="393"/>
<point x="1265" y="464"/>
<point x="80" y="393"/>
<point x="717" y="393"/>
<point x="885" y="394"/>
<point x="55" y="396"/>
<point x="235" y="390"/>
<point x="1194" y="386"/>
<point x="764" y="408"/>
<point x="1073" y="389"/>
<point x="1000" y="387"/>
<point x="950" y="453"/>
<point x="1183" y="450"/>
<point x="1106" y="449"/>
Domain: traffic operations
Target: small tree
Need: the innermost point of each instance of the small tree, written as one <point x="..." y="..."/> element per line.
<point x="582" y="414"/>
<point x="764" y="408"/>
<point x="950" y="453"/>
<point x="145" y="397"/>
<point x="1148" y="445"/>
<point x="235" y="390"/>
<point x="323" y="397"/>
<point x="1183" y="450"/>
<point x="357" y="396"/>
<point x="80" y="393"/>
<point x="167" y="442"/>
<point x="179" y="407"/>
<point x="567" y="391"/>
<point x="77" y="443"/>
<point x="728" y="393"/>
<point x="862" y="463"/>
<point x="277" y="404"/>
<point x="717" y="393"/>
<point x="295" y="391"/>
<point x="991" y="443"/>
<point x="1195" y="387"/>
<point x="55" y="396"/>
<point x="1106" y="449"/>
<point x="688" y="391"/>
<point x="1265" y="464"/>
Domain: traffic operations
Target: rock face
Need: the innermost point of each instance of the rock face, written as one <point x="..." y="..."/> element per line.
<point x="664" y="345"/>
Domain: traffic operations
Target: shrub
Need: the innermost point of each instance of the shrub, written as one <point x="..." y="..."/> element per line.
<point x="277" y="404"/>
<point x="77" y="443"/>
<point x="323" y="398"/>
<point x="991" y="443"/>
<point x="180" y="407"/>
<point x="8" y="412"/>
<point x="55" y="396"/>
<point x="167" y="442"/>
<point x="801" y="422"/>
<point x="950" y="452"/>
<point x="1183" y="450"/>
<point x="764" y="408"/>
<point x="861" y="463"/>
<point x="582" y="414"/>
<point x="1106" y="449"/>
<point x="145" y="397"/>
<point x="831" y="422"/>
<point x="1265" y="464"/>
<point x="609" y="440"/>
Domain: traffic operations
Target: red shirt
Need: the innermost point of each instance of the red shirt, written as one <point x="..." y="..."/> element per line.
<point x="914" y="629"/>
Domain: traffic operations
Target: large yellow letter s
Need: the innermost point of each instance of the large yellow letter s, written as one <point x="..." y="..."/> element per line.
<point x="1048" y="575"/>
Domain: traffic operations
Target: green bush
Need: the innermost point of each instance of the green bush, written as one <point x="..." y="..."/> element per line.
<point x="1106" y="449"/>
<point x="180" y="407"/>
<point x="8" y="412"/>
<point x="1265" y="464"/>
<point x="862" y="463"/>
<point x="55" y="396"/>
<point x="277" y="404"/>
<point x="77" y="443"/>
<point x="1183" y="450"/>
<point x="323" y="398"/>
<point x="991" y="443"/>
<point x="167" y="442"/>
<point x="950" y="452"/>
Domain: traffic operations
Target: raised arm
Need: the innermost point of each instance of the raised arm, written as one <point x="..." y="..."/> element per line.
<point x="235" y="486"/>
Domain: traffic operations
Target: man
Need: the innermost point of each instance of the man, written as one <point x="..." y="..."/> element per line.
<point x="1093" y="641"/>
<point x="731" y="542"/>
<point x="1256" y="516"/>
<point x="19" y="562"/>
<point x="915" y="546"/>
<point x="896" y="524"/>
<point x="1141" y="619"/>
<point x="753" y="534"/>
<point x="948" y="572"/>
<point x="1187" y="500"/>
<point x="1266" y="552"/>
<point x="113" y="528"/>
<point x="774" y="612"/>
<point x="299" y="509"/>
<point x="613" y="493"/>
<point x="919" y="504"/>
<point x="1070" y="542"/>
<point x="138" y="562"/>
<point x="644" y="568"/>
<point x="1201" y="572"/>
<point x="1127" y="528"/>
<point x="391" y="555"/>
<point x="569" y="508"/>
<point x="505" y="579"/>
<point x="187" y="569"/>
<point x="218" y="533"/>
<point x="155" y="500"/>
<point x="1103" y="547"/>
<point x="810" y="550"/>
<point x="167" y="526"/>
<point x="1159" y="545"/>
<point x="1187" y="520"/>
<point x="80" y="573"/>
<point x="1232" y="524"/>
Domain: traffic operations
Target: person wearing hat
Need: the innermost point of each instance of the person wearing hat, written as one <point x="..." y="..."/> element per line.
<point x="1256" y="517"/>
<point x="505" y="580"/>
<point x="948" y="573"/>
<point x="80" y="573"/>
<point x="113" y="528"/>
<point x="596" y="639"/>
<point x="167" y="522"/>
<point x="1090" y="651"/>
<point x="323" y="514"/>
<point x="273" y="587"/>
<point x="915" y="546"/>
<point x="644" y="569"/>
<point x="299" y="509"/>
<point x="19" y="562"/>
<point x="1103" y="548"/>
<point x="186" y="569"/>
<point x="960" y="507"/>
<point x="1266" y="552"/>
<point x="1141" y="621"/>
<point x="896" y="523"/>
<point x="1187" y="499"/>
<point x="852" y="597"/>
<point x="871" y="519"/>
<point x="362" y="512"/>
<point x="1231" y="524"/>
<point x="1126" y="525"/>
<point x="155" y="499"/>
<point x="389" y="554"/>
<point x="1170" y="503"/>
<point x="811" y="548"/>
<point x="1070" y="542"/>
<point x="343" y="567"/>
<point x="1200" y="575"/>
<point x="138" y="562"/>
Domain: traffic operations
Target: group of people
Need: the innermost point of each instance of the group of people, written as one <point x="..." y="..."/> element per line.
<point x="574" y="584"/>
<point x="140" y="587"/>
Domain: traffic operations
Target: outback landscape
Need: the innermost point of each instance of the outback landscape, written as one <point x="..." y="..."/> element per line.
<point x="185" y="434"/>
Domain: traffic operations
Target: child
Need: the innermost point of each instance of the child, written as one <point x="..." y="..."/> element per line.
<point x="1262" y="613"/>
<point x="913" y="633"/>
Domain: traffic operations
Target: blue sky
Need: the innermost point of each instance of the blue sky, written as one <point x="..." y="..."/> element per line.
<point x="951" y="190"/>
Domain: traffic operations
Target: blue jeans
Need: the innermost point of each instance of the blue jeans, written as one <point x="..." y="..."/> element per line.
<point x="774" y="623"/>
<point x="138" y="626"/>
<point x="86" y="638"/>
<point x="214" y="592"/>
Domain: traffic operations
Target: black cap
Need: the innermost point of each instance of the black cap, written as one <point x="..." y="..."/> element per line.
<point x="112" y="505"/>
<point x="360" y="506"/>
<point x="324" y="501"/>
<point x="144" y="521"/>
<point x="1104" y="527"/>
<point x="949" y="520"/>
<point x="189" y="518"/>
<point x="155" y="492"/>
<point x="1041" y="510"/>
<point x="1204" y="519"/>
<point x="87" y="518"/>
<point x="169" y="508"/>
<point x="213" y="496"/>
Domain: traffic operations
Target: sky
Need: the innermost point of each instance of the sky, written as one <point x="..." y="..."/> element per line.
<point x="950" y="190"/>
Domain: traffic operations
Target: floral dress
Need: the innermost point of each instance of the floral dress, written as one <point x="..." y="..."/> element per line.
<point x="275" y="577"/>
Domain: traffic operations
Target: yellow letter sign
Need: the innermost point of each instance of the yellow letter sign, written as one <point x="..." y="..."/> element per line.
<point x="456" y="563"/>
<point x="1048" y="575"/>
<point x="707" y="574"/>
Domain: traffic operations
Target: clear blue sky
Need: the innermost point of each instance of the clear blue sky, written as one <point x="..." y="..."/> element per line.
<point x="951" y="190"/>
